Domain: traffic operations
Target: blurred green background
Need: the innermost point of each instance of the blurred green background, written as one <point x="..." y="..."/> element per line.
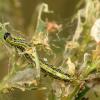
<point x="19" y="13"/>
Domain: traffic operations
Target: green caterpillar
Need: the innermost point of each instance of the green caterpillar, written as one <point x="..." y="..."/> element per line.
<point x="22" y="46"/>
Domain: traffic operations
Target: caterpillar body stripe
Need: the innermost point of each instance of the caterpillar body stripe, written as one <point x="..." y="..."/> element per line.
<point x="22" y="46"/>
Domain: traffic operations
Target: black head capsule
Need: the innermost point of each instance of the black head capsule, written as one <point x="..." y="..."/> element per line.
<point x="6" y="35"/>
